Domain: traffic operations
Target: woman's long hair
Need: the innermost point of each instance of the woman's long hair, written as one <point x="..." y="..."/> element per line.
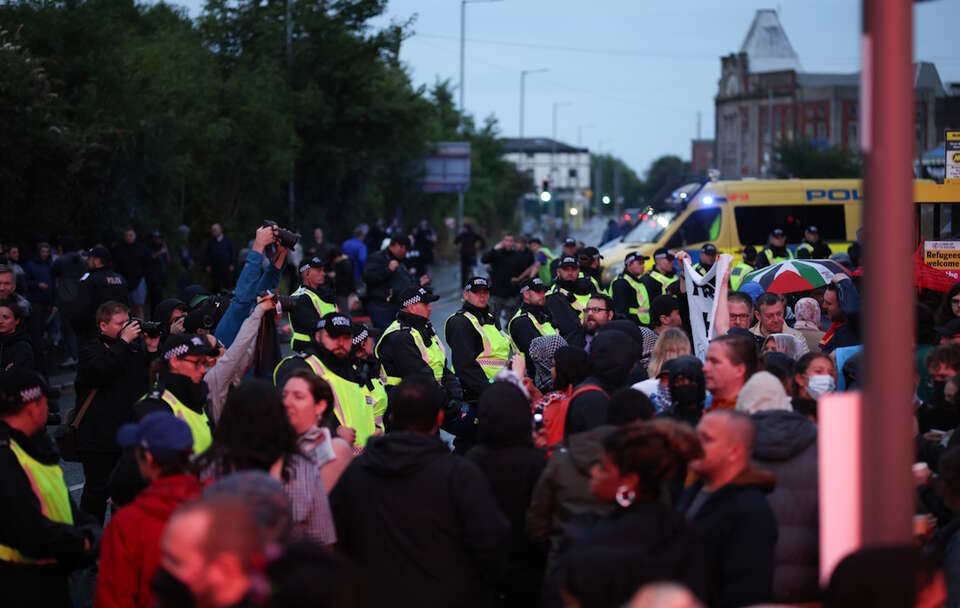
<point x="671" y="344"/>
<point x="654" y="450"/>
<point x="253" y="432"/>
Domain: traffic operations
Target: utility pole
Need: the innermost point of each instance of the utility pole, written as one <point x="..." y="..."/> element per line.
<point x="463" y="42"/>
<point x="291" y="186"/>
<point x="523" y="85"/>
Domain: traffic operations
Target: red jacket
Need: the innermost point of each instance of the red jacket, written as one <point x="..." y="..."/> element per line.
<point x="130" y="548"/>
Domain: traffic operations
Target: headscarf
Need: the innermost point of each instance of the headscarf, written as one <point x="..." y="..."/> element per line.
<point x="788" y="345"/>
<point x="763" y="392"/>
<point x="542" y="351"/>
<point x="808" y="314"/>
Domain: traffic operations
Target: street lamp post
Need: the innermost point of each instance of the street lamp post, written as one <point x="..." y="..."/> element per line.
<point x="463" y="40"/>
<point x="523" y="89"/>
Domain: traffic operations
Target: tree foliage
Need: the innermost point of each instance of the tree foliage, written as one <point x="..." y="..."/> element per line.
<point x="802" y="159"/>
<point x="118" y="111"/>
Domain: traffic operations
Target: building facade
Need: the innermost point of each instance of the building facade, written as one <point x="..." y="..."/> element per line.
<point x="565" y="169"/>
<point x="765" y="98"/>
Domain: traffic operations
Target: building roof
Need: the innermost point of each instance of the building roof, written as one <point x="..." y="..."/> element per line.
<point x="767" y="46"/>
<point x="532" y="145"/>
<point x="813" y="81"/>
<point x="925" y="76"/>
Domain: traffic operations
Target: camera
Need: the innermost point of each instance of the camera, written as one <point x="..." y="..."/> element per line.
<point x="284" y="303"/>
<point x="151" y="329"/>
<point x="287" y="238"/>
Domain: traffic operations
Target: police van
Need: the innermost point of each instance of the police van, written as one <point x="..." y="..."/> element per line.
<point x="733" y="214"/>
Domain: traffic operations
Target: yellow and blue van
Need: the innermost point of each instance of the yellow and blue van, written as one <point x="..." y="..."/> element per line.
<point x="733" y="214"/>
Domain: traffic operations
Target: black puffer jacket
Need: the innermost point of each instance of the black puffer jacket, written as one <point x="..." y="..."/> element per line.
<point x="786" y="444"/>
<point x="612" y="354"/>
<point x="16" y="350"/>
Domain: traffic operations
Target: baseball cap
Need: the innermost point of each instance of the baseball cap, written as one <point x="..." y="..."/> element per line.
<point x="812" y="229"/>
<point x="101" y="253"/>
<point x="632" y="256"/>
<point x="777" y="232"/>
<point x="412" y="295"/>
<point x="569" y="260"/>
<point x="709" y="249"/>
<point x="950" y="329"/>
<point x="312" y="263"/>
<point x="20" y="385"/>
<point x="569" y="242"/>
<point x="182" y="345"/>
<point x="336" y="324"/>
<point x="662" y="253"/>
<point x="478" y="284"/>
<point x="160" y="433"/>
<point x="535" y="284"/>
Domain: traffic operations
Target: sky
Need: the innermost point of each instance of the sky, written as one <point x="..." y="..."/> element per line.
<point x="631" y="75"/>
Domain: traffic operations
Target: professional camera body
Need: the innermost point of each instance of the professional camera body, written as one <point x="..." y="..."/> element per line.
<point x="151" y="329"/>
<point x="287" y="238"/>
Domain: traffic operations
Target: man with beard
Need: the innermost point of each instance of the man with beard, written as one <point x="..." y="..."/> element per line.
<point x="478" y="348"/>
<point x="532" y="319"/>
<point x="599" y="311"/>
<point x="568" y="297"/>
<point x="329" y="358"/>
<point x="369" y="372"/>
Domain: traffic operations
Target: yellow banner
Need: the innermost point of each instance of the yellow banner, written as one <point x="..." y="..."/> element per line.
<point x="942" y="255"/>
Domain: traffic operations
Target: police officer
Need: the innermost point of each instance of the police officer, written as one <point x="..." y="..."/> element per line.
<point x="180" y="388"/>
<point x="590" y="266"/>
<point x="629" y="295"/>
<point x="743" y="267"/>
<point x="776" y="250"/>
<point x="478" y="348"/>
<point x="708" y="257"/>
<point x="568" y="296"/>
<point x="314" y="300"/>
<point x="662" y="278"/>
<point x="532" y="319"/>
<point x="812" y="248"/>
<point x="100" y="284"/>
<point x="43" y="536"/>
<point x="386" y="277"/>
<point x="369" y="372"/>
<point x="329" y="358"/>
<point x="568" y="249"/>
<point x="542" y="257"/>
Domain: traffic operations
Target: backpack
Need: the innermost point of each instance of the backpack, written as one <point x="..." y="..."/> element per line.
<point x="553" y="406"/>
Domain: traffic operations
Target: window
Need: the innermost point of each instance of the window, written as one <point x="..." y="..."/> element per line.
<point x="701" y="226"/>
<point x="572" y="173"/>
<point x="755" y="223"/>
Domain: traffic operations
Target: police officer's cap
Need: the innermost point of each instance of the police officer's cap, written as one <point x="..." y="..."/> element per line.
<point x="312" y="263"/>
<point x="569" y="260"/>
<point x="360" y="333"/>
<point x="812" y="229"/>
<point x="570" y="242"/>
<point x="413" y="295"/>
<point x="535" y="239"/>
<point x="101" y="253"/>
<point x="478" y="284"/>
<point x="749" y="253"/>
<point x="777" y="232"/>
<point x="182" y="345"/>
<point x="534" y="284"/>
<point x="663" y="254"/>
<point x="336" y="324"/>
<point x="20" y="386"/>
<point x="632" y="257"/>
<point x="709" y="249"/>
<point x="590" y="253"/>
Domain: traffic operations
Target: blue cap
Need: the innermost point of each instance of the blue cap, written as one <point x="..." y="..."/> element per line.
<point x="160" y="433"/>
<point x="752" y="289"/>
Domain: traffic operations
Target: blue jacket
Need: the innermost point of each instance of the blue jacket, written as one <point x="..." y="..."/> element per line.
<point x="251" y="282"/>
<point x="39" y="272"/>
<point x="357" y="252"/>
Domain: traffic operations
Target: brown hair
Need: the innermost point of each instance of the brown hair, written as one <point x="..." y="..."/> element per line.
<point x="946" y="354"/>
<point x="653" y="450"/>
<point x="741" y="350"/>
<point x="319" y="390"/>
<point x="109" y="308"/>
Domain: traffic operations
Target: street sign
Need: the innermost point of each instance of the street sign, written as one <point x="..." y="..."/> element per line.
<point x="448" y="168"/>
<point x="951" y="151"/>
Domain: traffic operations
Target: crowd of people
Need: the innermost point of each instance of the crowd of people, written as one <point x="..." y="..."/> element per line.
<point x="557" y="442"/>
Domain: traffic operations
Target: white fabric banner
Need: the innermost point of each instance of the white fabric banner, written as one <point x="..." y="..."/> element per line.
<point x="703" y="305"/>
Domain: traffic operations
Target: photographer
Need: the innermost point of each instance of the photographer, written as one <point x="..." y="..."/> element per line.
<point x="314" y="299"/>
<point x="253" y="280"/>
<point x="113" y="368"/>
<point x="100" y="284"/>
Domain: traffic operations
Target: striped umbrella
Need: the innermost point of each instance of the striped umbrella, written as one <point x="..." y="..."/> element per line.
<point x="795" y="276"/>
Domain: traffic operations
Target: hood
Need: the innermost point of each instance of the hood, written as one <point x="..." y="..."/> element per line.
<point x="165" y="308"/>
<point x="401" y="453"/>
<point x="165" y="494"/>
<point x="585" y="448"/>
<point x="630" y="329"/>
<point x="19" y="335"/>
<point x="781" y="435"/>
<point x="763" y="392"/>
<point x="504" y="417"/>
<point x="612" y="354"/>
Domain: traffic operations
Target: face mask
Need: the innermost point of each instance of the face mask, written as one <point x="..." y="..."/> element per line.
<point x="685" y="395"/>
<point x="819" y="385"/>
<point x="170" y="591"/>
<point x="663" y="397"/>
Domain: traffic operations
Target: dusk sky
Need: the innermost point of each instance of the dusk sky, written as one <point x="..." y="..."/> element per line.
<point x="635" y="72"/>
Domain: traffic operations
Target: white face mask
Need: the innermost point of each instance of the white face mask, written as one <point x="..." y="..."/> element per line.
<point x="819" y="385"/>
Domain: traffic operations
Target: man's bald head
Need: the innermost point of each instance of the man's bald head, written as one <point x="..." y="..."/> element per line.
<point x="727" y="440"/>
<point x="739" y="427"/>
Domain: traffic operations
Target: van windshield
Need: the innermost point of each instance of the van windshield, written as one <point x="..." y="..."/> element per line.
<point x="651" y="229"/>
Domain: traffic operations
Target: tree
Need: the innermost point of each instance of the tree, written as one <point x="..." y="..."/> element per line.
<point x="665" y="174"/>
<point x="802" y="159"/>
<point x="632" y="188"/>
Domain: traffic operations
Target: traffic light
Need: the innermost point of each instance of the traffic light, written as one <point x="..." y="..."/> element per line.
<point x="545" y="195"/>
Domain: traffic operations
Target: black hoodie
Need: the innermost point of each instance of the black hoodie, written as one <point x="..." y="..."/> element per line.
<point x="612" y="354"/>
<point x="16" y="350"/>
<point x="420" y="521"/>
